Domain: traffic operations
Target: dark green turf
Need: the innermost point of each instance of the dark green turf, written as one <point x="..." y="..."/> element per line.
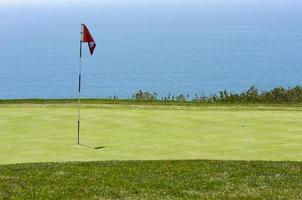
<point x="152" y="180"/>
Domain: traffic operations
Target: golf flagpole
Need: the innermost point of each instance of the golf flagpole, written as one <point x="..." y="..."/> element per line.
<point x="85" y="38"/>
<point x="79" y="91"/>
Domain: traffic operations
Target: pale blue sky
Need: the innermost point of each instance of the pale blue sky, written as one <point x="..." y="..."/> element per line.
<point x="20" y="2"/>
<point x="152" y="12"/>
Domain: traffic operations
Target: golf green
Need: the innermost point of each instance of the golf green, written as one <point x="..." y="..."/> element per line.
<point x="48" y="133"/>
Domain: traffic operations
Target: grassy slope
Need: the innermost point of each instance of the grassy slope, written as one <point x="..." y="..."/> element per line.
<point x="47" y="133"/>
<point x="152" y="180"/>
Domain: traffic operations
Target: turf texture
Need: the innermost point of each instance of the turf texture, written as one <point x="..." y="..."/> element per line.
<point x="152" y="180"/>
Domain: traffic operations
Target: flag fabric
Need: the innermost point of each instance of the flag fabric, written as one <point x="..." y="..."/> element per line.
<point x="87" y="38"/>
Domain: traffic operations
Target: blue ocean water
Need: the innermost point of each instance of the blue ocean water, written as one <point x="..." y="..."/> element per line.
<point x="183" y="48"/>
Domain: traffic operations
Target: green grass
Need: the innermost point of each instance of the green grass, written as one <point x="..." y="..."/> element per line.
<point x="153" y="180"/>
<point x="47" y="133"/>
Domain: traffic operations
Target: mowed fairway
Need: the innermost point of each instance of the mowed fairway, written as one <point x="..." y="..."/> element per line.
<point x="47" y="133"/>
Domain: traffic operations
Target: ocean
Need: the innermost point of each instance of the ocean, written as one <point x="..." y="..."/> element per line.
<point x="167" y="48"/>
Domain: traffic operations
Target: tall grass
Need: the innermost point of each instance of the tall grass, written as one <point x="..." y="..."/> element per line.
<point x="253" y="95"/>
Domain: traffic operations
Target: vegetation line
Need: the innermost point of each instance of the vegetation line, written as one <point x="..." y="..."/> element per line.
<point x="253" y="96"/>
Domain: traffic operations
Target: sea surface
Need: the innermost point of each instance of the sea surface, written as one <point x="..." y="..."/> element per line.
<point x="178" y="48"/>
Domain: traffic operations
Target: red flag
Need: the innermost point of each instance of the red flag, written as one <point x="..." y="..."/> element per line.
<point x="86" y="37"/>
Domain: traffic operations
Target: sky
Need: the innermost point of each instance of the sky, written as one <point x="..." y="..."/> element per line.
<point x="149" y="13"/>
<point x="20" y="2"/>
<point x="244" y="6"/>
<point x="217" y="7"/>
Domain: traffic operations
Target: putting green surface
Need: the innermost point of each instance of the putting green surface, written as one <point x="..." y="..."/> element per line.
<point x="48" y="133"/>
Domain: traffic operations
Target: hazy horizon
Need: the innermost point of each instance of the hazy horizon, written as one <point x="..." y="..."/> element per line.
<point x="167" y="47"/>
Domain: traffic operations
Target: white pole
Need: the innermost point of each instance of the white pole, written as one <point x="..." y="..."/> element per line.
<point x="79" y="92"/>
